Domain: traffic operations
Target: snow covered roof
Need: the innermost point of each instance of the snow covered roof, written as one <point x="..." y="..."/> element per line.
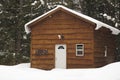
<point x="99" y="24"/>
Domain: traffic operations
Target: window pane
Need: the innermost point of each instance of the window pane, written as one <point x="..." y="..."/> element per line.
<point x="60" y="47"/>
<point x="79" y="46"/>
<point x="79" y="49"/>
<point x="79" y="52"/>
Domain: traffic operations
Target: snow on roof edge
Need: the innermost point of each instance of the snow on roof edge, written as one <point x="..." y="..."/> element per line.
<point x="99" y="24"/>
<point x="27" y="29"/>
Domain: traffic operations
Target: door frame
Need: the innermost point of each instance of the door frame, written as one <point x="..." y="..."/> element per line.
<point x="56" y="45"/>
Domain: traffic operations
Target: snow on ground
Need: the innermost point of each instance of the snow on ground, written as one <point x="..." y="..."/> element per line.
<point x="24" y="72"/>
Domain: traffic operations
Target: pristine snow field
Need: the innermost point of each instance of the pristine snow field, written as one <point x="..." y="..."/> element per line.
<point x="24" y="72"/>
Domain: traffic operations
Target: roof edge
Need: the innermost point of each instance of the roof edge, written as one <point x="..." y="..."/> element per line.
<point x="27" y="29"/>
<point x="98" y="23"/>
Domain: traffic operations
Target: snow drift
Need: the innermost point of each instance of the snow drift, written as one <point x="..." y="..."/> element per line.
<point x="24" y="72"/>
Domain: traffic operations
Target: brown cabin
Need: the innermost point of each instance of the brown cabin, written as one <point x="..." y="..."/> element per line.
<point x="63" y="38"/>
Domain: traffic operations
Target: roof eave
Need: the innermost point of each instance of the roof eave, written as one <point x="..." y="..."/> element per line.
<point x="99" y="24"/>
<point x="27" y="25"/>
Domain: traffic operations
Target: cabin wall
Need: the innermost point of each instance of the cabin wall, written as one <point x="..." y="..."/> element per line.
<point x="103" y="37"/>
<point x="75" y="31"/>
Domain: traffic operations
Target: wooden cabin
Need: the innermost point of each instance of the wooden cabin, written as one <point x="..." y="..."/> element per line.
<point x="64" y="38"/>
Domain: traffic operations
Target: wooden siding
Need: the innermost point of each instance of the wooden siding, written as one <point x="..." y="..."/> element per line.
<point x="103" y="37"/>
<point x="75" y="31"/>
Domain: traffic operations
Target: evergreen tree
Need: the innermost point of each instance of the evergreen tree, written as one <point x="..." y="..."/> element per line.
<point x="50" y="4"/>
<point x="13" y="15"/>
<point x="107" y="11"/>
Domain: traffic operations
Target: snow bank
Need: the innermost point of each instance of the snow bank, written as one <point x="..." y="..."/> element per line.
<point x="23" y="65"/>
<point x="24" y="72"/>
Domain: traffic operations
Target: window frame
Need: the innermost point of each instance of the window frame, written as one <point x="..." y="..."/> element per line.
<point x="106" y="51"/>
<point x="80" y="50"/>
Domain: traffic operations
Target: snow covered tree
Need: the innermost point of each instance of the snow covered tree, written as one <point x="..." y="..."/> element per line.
<point x="50" y="4"/>
<point x="13" y="15"/>
<point x="107" y="11"/>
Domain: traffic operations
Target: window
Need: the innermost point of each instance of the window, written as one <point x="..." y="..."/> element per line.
<point x="40" y="52"/>
<point x="105" y="55"/>
<point x="79" y="49"/>
<point x="61" y="47"/>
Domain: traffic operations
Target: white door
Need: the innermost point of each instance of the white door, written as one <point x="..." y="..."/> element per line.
<point x="60" y="56"/>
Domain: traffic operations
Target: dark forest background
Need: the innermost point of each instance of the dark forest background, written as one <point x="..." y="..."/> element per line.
<point x="15" y="43"/>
